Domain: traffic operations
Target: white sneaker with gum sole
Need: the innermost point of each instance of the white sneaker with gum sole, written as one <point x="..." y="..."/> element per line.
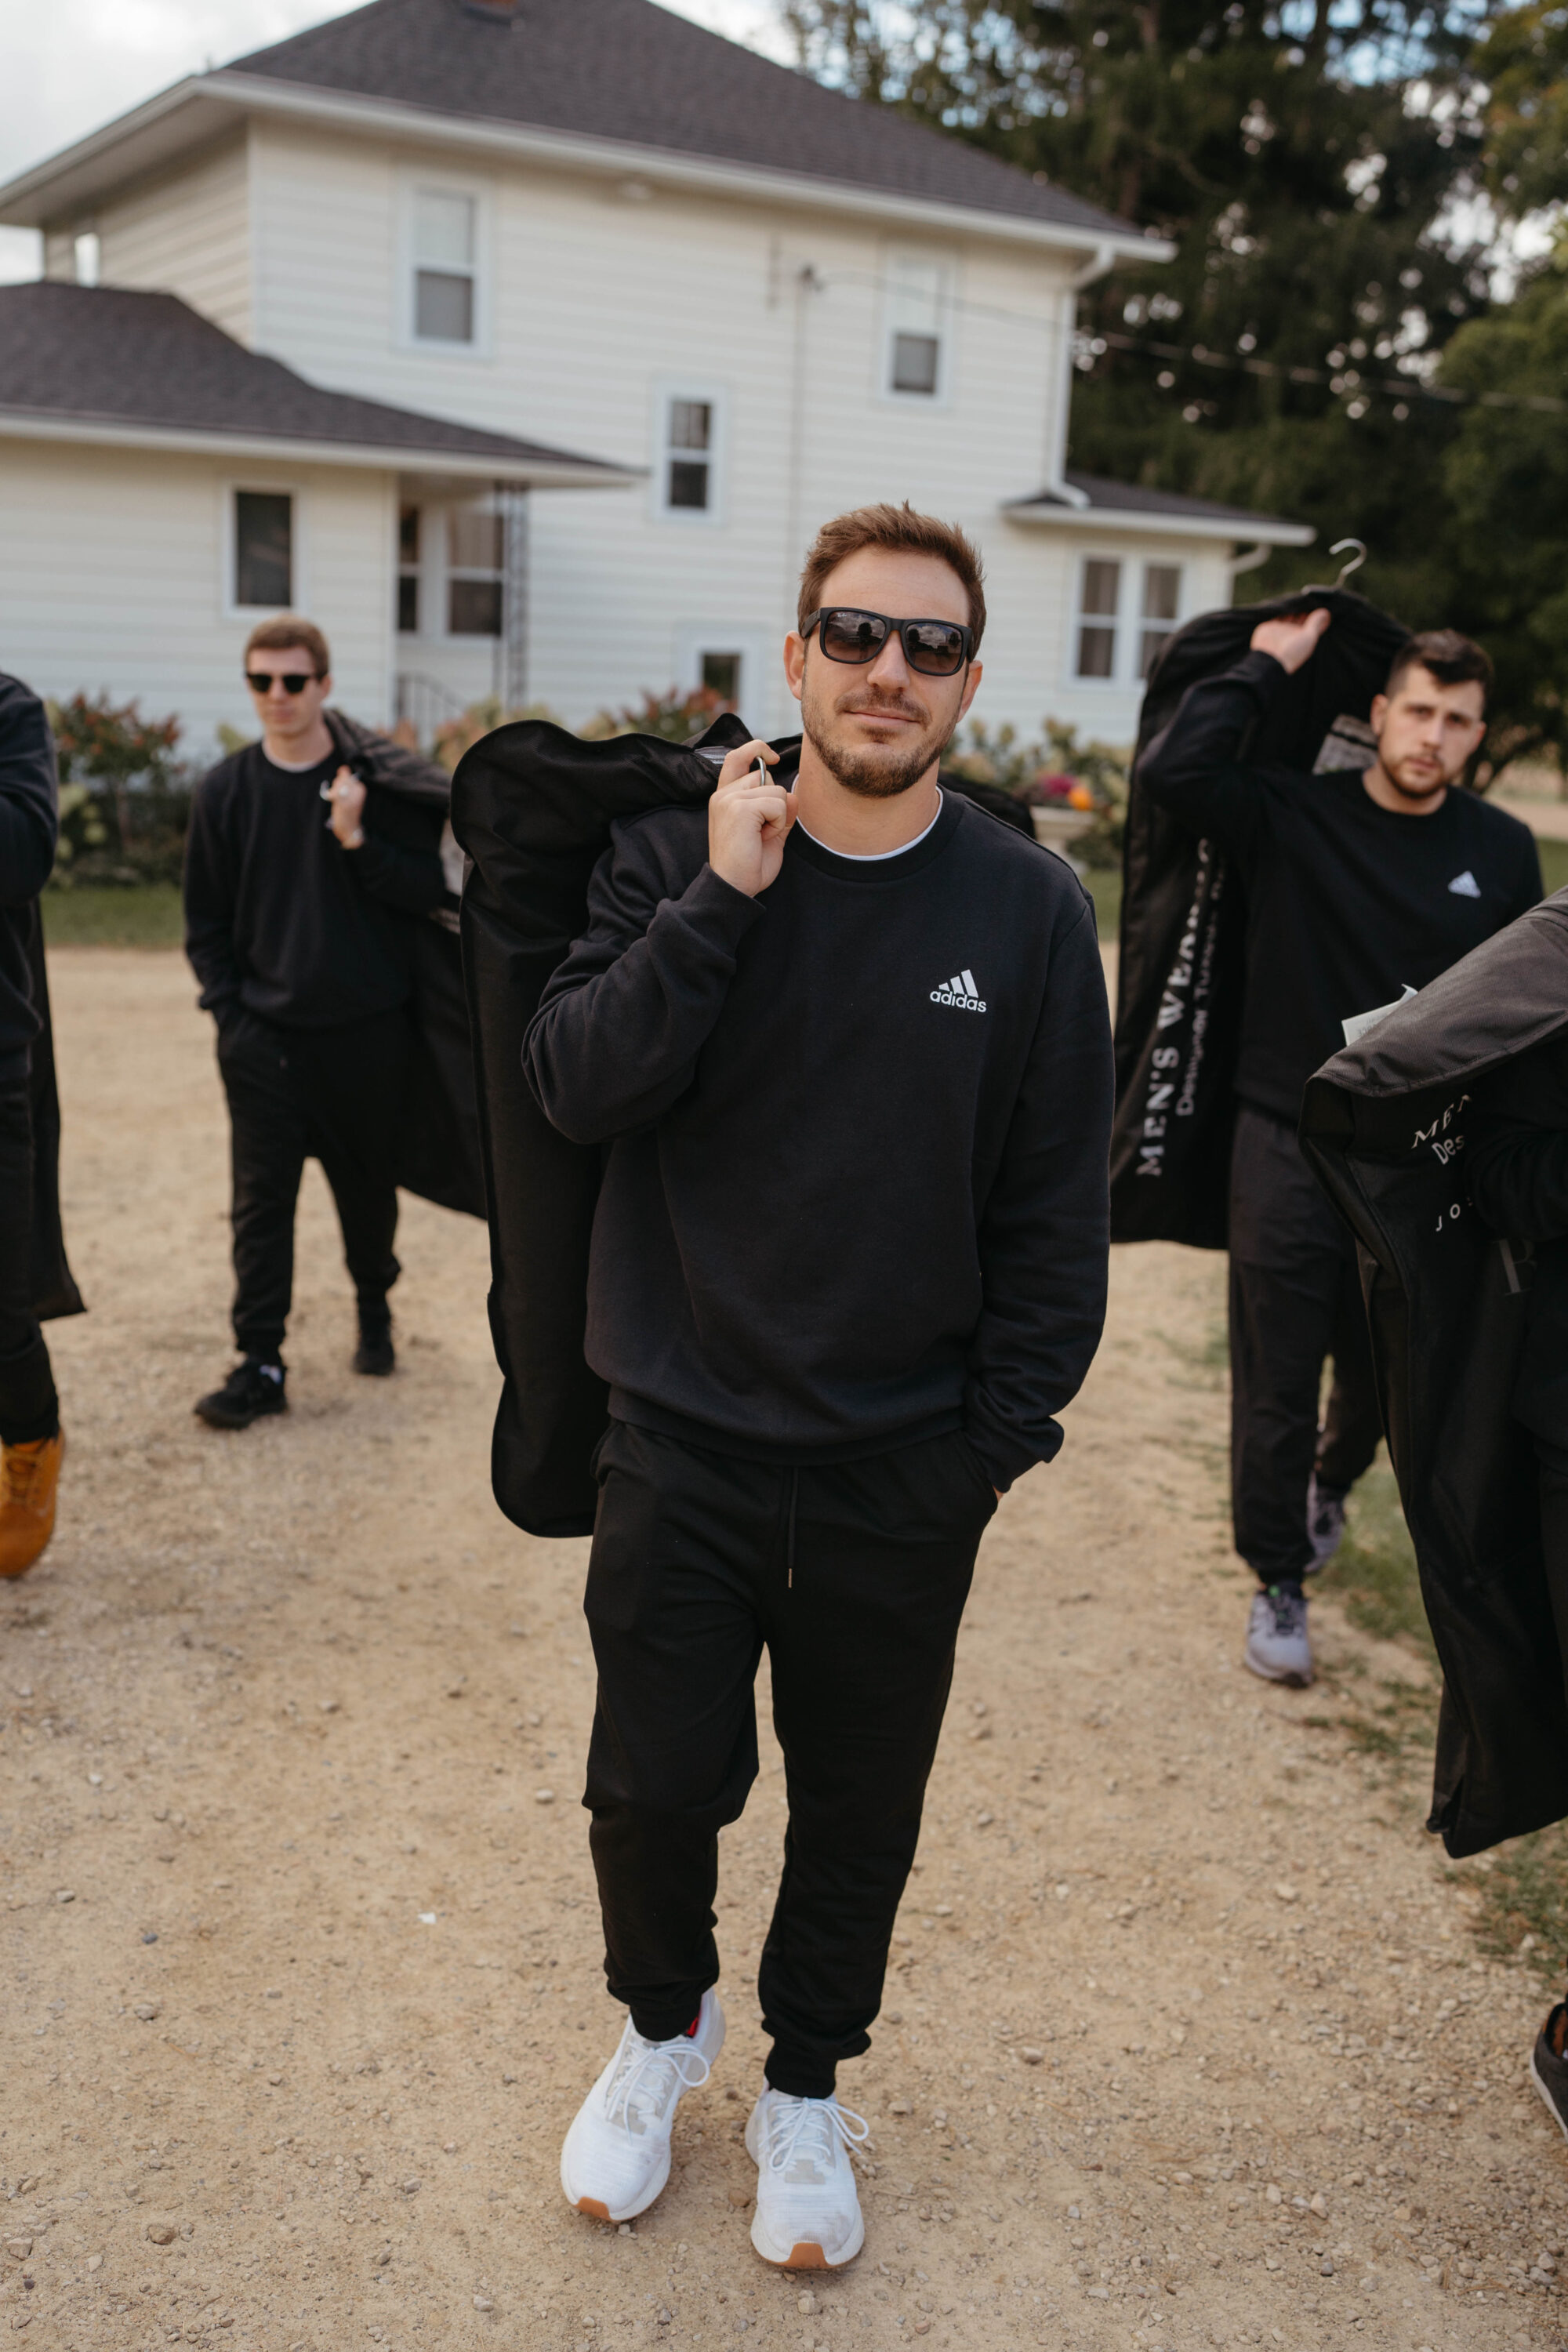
<point x="808" y="2208"/>
<point x="615" y="2157"/>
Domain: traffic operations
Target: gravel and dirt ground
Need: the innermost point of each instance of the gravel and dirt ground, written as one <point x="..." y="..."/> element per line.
<point x="1189" y="2039"/>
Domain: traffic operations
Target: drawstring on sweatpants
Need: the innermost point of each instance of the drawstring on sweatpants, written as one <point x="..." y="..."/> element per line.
<point x="789" y="1543"/>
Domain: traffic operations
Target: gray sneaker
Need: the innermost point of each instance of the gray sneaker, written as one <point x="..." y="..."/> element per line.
<point x="1277" y="1644"/>
<point x="1325" y="1524"/>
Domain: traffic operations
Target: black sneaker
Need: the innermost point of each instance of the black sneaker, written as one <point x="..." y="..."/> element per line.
<point x="251" y="1390"/>
<point x="375" y="1355"/>
<point x="1548" y="2067"/>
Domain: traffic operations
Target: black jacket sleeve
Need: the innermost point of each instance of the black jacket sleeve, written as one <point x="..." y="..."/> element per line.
<point x="29" y="807"/>
<point x="1516" y="1146"/>
<point x="1044" y="1231"/>
<point x="1191" y="768"/>
<point x="209" y="888"/>
<point x="622" y="1022"/>
<point x="399" y="860"/>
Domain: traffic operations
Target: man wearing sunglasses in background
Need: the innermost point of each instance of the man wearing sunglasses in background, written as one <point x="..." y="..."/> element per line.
<point x="844" y="1042"/>
<point x="294" y="925"/>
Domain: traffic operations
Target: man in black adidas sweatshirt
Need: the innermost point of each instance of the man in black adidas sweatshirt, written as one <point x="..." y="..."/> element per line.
<point x="1358" y="888"/>
<point x="844" y="1043"/>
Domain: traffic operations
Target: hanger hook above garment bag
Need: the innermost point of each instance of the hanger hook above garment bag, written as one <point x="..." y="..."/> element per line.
<point x="1339" y="548"/>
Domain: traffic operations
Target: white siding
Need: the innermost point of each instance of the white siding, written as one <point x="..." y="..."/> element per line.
<point x="112" y="579"/>
<point x="186" y="233"/>
<point x="596" y="301"/>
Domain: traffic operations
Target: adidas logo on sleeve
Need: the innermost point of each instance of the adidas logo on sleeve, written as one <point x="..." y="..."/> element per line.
<point x="960" y="990"/>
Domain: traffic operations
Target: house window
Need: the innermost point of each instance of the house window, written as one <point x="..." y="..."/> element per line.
<point x="1099" y="604"/>
<point x="263" y="548"/>
<point x="445" y="266"/>
<point x="475" y="558"/>
<point x="1162" y="604"/>
<point x="409" y="570"/>
<point x="721" y="676"/>
<point x="688" y="457"/>
<point x="916" y="306"/>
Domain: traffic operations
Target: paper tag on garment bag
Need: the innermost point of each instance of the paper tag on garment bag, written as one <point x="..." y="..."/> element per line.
<point x="1360" y="1022"/>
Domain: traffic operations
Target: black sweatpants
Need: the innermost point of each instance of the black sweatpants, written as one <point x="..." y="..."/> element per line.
<point x="1554" y="1465"/>
<point x="1295" y="1300"/>
<point x="855" y="1576"/>
<point x="29" y="1407"/>
<point x="331" y="1095"/>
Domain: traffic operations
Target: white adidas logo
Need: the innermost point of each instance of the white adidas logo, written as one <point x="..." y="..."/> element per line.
<point x="1465" y="886"/>
<point x="960" y="990"/>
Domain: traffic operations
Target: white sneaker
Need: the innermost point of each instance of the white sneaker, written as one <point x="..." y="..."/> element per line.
<point x="808" y="2208"/>
<point x="615" y="2157"/>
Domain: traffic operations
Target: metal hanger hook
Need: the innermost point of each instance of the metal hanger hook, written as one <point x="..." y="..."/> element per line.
<point x="1339" y="548"/>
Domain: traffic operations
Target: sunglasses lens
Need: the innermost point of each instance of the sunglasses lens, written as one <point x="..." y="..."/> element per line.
<point x="259" y="681"/>
<point x="935" y="647"/>
<point x="851" y="637"/>
<point x="295" y="681"/>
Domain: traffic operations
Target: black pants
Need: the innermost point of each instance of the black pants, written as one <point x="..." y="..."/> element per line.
<point x="29" y="1407"/>
<point x="855" y="1577"/>
<point x="333" y="1095"/>
<point x="1295" y="1300"/>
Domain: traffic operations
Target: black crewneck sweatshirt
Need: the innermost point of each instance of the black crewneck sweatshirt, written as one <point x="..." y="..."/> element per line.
<point x="854" y="1189"/>
<point x="29" y="823"/>
<point x="280" y="918"/>
<point x="1346" y="902"/>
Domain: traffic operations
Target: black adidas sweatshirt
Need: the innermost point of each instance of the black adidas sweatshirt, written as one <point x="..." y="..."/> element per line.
<point x="1347" y="903"/>
<point x="854" y="1189"/>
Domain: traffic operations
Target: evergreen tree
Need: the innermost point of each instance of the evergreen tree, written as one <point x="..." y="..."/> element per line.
<point x="1309" y="162"/>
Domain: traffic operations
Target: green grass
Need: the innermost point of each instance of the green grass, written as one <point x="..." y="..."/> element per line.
<point x="101" y="915"/>
<point x="1103" y="884"/>
<point x="1553" y="865"/>
<point x="1525" y="1893"/>
<point x="1373" y="1571"/>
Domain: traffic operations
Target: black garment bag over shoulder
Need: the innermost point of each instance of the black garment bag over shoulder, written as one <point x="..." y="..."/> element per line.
<point x="437" y="1134"/>
<point x="532" y="806"/>
<point x="1179" y="989"/>
<point x="1384" y="1128"/>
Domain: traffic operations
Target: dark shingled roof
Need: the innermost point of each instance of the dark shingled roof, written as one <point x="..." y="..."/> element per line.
<point x="107" y="355"/>
<point x="624" y="69"/>
<point x="1130" y="498"/>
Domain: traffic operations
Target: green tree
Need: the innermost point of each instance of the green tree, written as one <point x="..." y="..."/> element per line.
<point x="1306" y="159"/>
<point x="1506" y="473"/>
<point x="1524" y="61"/>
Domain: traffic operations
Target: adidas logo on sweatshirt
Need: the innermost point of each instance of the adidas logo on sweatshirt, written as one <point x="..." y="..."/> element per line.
<point x="1465" y="886"/>
<point x="960" y="990"/>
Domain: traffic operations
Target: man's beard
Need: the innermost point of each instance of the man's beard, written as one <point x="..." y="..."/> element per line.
<point x="1413" y="789"/>
<point x="875" y="774"/>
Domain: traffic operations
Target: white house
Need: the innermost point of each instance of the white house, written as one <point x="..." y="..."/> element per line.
<point x="544" y="230"/>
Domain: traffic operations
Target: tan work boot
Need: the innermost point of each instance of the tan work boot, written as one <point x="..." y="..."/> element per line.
<point x="29" y="1475"/>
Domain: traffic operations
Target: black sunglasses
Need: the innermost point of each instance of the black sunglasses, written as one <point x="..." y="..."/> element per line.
<point x="292" y="682"/>
<point x="934" y="648"/>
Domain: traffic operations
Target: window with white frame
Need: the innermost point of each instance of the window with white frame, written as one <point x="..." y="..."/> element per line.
<point x="1099" y="615"/>
<point x="1126" y="610"/>
<point x="263" y="545"/>
<point x="915" y="362"/>
<point x="688" y="458"/>
<point x="475" y="573"/>
<point x="445" y="265"/>
<point x="1162" y="609"/>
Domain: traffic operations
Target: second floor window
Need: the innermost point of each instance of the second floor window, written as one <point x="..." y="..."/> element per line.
<point x="917" y="305"/>
<point x="1126" y="610"/>
<point x="446" y="241"/>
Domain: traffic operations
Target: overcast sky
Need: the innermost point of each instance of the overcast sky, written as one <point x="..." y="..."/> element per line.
<point x="73" y="64"/>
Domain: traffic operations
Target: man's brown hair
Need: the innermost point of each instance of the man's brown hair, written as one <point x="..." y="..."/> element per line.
<point x="1451" y="658"/>
<point x="280" y="636"/>
<point x="907" y="532"/>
